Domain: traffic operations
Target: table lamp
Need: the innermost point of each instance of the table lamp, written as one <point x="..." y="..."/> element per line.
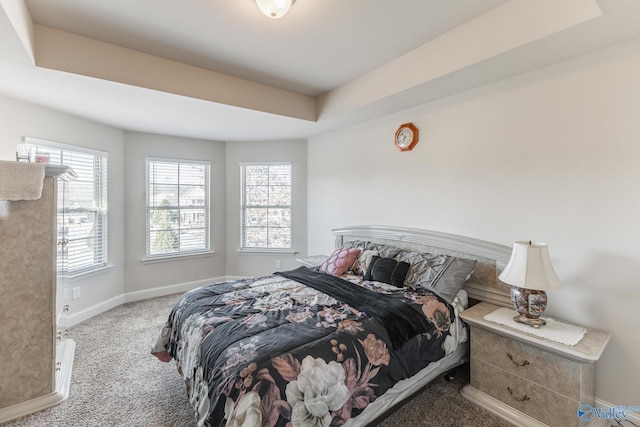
<point x="530" y="273"/>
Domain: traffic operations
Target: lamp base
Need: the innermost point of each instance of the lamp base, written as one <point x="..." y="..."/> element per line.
<point x="536" y="323"/>
<point x="530" y="304"/>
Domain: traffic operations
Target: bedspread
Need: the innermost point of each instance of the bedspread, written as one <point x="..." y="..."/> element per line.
<point x="272" y="351"/>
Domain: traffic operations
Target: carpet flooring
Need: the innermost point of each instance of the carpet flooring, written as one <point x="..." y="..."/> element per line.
<point x="116" y="382"/>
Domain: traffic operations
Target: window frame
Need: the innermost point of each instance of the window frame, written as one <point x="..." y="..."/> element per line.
<point x="243" y="207"/>
<point x="100" y="200"/>
<point x="180" y="254"/>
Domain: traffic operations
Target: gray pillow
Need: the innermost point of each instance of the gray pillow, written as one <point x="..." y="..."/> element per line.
<point x="385" y="251"/>
<point x="442" y="274"/>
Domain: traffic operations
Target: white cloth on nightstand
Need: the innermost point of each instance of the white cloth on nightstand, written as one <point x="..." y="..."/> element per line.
<point x="553" y="330"/>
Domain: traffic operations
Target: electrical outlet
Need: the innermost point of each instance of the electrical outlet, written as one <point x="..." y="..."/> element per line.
<point x="76" y="292"/>
<point x="278" y="263"/>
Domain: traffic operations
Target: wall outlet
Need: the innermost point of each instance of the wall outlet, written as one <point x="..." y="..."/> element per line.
<point x="76" y="293"/>
<point x="278" y="263"/>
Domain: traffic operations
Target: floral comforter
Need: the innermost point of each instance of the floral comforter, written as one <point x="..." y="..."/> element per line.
<point x="272" y="351"/>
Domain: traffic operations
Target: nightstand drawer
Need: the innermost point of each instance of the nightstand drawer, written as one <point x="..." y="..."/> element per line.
<point x="548" y="370"/>
<point x="534" y="400"/>
<point x="514" y="373"/>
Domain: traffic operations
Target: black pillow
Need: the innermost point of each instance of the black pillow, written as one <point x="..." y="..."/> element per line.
<point x="387" y="270"/>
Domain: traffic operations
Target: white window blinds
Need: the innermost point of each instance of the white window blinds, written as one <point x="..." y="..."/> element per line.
<point x="177" y="207"/>
<point x="266" y="205"/>
<point x="82" y="204"/>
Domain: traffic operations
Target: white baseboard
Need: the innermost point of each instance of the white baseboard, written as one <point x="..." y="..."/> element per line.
<point x="171" y="289"/>
<point x="66" y="351"/>
<point x="94" y="310"/>
<point x="633" y="417"/>
<point x="114" y="302"/>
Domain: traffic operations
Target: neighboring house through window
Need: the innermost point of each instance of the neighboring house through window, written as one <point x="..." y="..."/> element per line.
<point x="177" y="207"/>
<point x="266" y="206"/>
<point x="82" y="204"/>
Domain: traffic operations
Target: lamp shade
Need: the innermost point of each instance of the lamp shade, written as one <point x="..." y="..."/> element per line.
<point x="530" y="267"/>
<point x="274" y="8"/>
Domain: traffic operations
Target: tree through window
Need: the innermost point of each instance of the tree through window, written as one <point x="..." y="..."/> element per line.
<point x="266" y="205"/>
<point x="177" y="207"/>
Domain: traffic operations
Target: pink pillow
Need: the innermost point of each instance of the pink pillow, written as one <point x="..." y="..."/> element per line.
<point x="340" y="261"/>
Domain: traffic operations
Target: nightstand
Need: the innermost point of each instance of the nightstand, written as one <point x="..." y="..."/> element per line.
<point x="527" y="380"/>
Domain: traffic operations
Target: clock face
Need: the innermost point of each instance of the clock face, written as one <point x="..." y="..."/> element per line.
<point x="406" y="137"/>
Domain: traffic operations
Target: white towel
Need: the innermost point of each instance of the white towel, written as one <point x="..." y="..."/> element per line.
<point x="21" y="180"/>
<point x="553" y="330"/>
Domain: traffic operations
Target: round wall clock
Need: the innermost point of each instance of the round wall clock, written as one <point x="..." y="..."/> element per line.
<point x="406" y="137"/>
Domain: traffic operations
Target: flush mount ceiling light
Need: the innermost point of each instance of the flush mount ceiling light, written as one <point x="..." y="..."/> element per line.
<point x="274" y="8"/>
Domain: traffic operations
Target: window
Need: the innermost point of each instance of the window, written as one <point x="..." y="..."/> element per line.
<point x="266" y="206"/>
<point x="82" y="204"/>
<point x="177" y="207"/>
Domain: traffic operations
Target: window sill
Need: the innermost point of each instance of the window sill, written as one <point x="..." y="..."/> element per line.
<point x="176" y="257"/>
<point x="251" y="251"/>
<point x="94" y="272"/>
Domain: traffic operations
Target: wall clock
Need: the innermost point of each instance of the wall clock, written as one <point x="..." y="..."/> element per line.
<point x="406" y="137"/>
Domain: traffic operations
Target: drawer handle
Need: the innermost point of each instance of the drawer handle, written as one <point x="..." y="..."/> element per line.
<point x="523" y="363"/>
<point x="519" y="399"/>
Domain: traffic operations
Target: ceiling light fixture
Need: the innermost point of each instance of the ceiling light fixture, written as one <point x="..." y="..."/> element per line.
<point x="274" y="8"/>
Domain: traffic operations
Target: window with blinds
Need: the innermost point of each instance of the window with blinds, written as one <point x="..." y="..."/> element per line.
<point x="177" y="207"/>
<point x="82" y="204"/>
<point x="266" y="206"/>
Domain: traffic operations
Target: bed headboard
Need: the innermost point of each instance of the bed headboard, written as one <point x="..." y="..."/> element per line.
<point x="491" y="258"/>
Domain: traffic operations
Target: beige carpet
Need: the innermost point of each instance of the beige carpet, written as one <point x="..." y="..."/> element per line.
<point x="116" y="382"/>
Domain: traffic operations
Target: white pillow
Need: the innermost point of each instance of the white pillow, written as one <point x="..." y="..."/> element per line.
<point x="364" y="261"/>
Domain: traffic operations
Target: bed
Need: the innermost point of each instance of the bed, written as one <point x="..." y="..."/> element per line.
<point x="337" y="343"/>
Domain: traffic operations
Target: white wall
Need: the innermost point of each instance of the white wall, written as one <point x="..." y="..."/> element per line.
<point x="144" y="277"/>
<point x="551" y="156"/>
<point x="252" y="264"/>
<point x="23" y="119"/>
<point x="128" y="278"/>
